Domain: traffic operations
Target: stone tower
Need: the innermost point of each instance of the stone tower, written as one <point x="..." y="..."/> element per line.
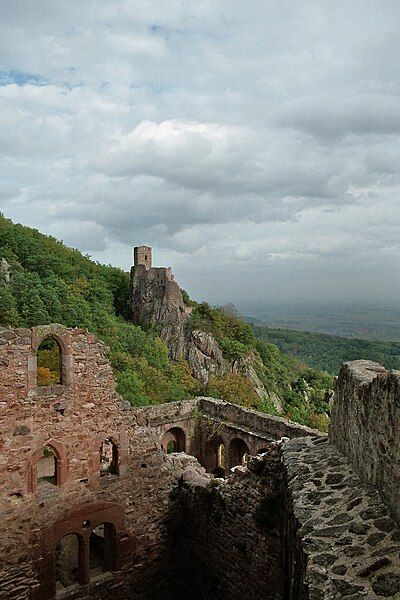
<point x="142" y="256"/>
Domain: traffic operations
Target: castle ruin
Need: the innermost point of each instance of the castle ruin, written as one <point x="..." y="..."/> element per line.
<point x="155" y="295"/>
<point x="196" y="499"/>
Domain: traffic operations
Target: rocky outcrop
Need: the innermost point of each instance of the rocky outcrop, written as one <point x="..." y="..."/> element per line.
<point x="157" y="300"/>
<point x="5" y="271"/>
<point x="199" y="348"/>
<point x="246" y="366"/>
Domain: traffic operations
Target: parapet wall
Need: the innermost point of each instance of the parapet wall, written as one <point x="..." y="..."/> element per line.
<point x="256" y="423"/>
<point x="365" y="425"/>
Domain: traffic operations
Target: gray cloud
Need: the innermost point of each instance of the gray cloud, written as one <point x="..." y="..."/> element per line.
<point x="256" y="148"/>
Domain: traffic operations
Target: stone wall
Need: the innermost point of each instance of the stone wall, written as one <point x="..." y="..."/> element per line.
<point x="74" y="419"/>
<point x="295" y="523"/>
<point x="339" y="539"/>
<point x="227" y="534"/>
<point x="365" y="425"/>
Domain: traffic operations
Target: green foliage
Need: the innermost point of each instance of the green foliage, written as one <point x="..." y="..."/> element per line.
<point x="234" y="388"/>
<point x="235" y="336"/>
<point x="327" y="352"/>
<point x="54" y="284"/>
<point x="48" y="362"/>
<point x="301" y="389"/>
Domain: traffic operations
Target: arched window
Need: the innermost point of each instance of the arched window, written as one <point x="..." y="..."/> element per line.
<point x="215" y="456"/>
<point x="102" y="543"/>
<point x="49" y="363"/>
<point x="220" y="469"/>
<point x="238" y="452"/>
<point x="47" y="469"/>
<point x="109" y="461"/>
<point x="174" y="440"/>
<point x="67" y="568"/>
<point x="221" y="455"/>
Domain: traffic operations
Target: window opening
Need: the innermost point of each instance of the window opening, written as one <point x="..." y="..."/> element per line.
<point x="49" y="370"/>
<point x="108" y="458"/>
<point x="46" y="469"/>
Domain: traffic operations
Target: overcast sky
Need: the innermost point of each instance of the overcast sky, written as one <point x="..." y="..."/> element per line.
<point x="254" y="144"/>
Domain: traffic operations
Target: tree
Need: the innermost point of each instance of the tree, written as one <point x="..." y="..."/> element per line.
<point x="8" y="308"/>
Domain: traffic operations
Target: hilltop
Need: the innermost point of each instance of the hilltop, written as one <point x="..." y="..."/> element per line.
<point x="43" y="281"/>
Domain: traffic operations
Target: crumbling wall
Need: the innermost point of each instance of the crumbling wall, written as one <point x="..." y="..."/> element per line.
<point x="365" y="425"/>
<point x="74" y="418"/>
<point x="226" y="534"/>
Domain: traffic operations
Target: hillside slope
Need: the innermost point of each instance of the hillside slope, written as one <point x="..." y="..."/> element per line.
<point x="327" y="352"/>
<point x="42" y="281"/>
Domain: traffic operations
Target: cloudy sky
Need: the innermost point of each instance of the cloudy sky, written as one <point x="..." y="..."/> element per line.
<point x="254" y="144"/>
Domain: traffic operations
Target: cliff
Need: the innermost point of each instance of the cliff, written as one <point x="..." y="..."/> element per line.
<point x="157" y="301"/>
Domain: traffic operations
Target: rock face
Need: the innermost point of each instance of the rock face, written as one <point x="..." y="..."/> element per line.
<point x="5" y="271"/>
<point x="157" y="300"/>
<point x="246" y="366"/>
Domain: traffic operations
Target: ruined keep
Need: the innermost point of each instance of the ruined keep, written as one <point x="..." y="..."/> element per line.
<point x="155" y="295"/>
<point x="198" y="499"/>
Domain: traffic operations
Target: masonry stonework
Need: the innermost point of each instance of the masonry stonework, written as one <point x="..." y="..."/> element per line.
<point x="122" y="518"/>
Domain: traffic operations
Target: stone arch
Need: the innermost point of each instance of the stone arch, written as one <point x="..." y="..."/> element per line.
<point x="60" y="335"/>
<point x="238" y="452"/>
<point x="82" y="522"/>
<point x="120" y="450"/>
<point x="61" y="464"/>
<point x="174" y="440"/>
<point x="102" y="547"/>
<point x="68" y="561"/>
<point x="215" y="456"/>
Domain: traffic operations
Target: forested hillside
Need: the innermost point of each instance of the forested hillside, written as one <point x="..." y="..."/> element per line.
<point x="327" y="352"/>
<point x="42" y="281"/>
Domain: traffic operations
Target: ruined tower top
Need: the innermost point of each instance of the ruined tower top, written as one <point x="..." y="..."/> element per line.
<point x="142" y="256"/>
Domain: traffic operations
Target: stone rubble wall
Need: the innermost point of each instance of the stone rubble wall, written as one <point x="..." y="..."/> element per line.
<point x="365" y="425"/>
<point x="225" y="534"/>
<point x="340" y="540"/>
<point x="257" y="423"/>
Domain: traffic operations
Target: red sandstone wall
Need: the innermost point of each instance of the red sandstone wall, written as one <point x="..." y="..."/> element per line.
<point x="74" y="418"/>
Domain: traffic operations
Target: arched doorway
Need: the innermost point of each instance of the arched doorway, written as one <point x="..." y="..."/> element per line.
<point x="238" y="452"/>
<point x="215" y="456"/>
<point x="102" y="544"/>
<point x="66" y="562"/>
<point x="174" y="440"/>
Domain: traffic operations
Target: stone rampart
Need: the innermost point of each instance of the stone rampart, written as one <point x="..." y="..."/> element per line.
<point x="339" y="539"/>
<point x="365" y="425"/>
<point x="295" y="523"/>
